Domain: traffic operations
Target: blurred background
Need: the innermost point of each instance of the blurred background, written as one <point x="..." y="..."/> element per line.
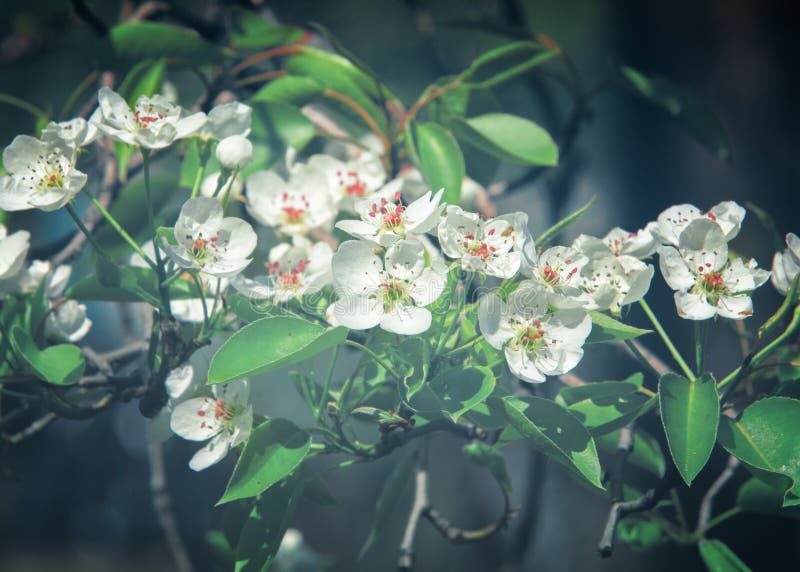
<point x="76" y="496"/>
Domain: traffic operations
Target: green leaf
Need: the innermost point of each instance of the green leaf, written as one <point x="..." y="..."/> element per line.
<point x="389" y="500"/>
<point x="273" y="451"/>
<point x="646" y="454"/>
<point x="505" y="62"/>
<point x="694" y="116"/>
<point x="136" y="41"/>
<point x="605" y="406"/>
<point x="719" y="558"/>
<point x="441" y="161"/>
<point x="489" y="457"/>
<point x="554" y="431"/>
<point x="265" y="526"/>
<point x="454" y="391"/>
<point x="276" y="126"/>
<point x="416" y="353"/>
<point x="134" y="285"/>
<point x="291" y="90"/>
<point x="761" y="497"/>
<point x="249" y="31"/>
<point x="548" y="235"/>
<point x="765" y="439"/>
<point x="508" y="137"/>
<point x="690" y="415"/>
<point x="61" y="365"/>
<point x="145" y="78"/>
<point x="641" y="535"/>
<point x="606" y="329"/>
<point x="269" y="344"/>
<point x="129" y="208"/>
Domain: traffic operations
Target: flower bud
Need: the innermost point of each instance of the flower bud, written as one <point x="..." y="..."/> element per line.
<point x="234" y="152"/>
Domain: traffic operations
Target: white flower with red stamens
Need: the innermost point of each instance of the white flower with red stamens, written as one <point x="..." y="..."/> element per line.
<point x="384" y="218"/>
<point x="154" y="122"/>
<point x="293" y="270"/>
<point x="226" y="120"/>
<point x="487" y="246"/>
<point x="77" y="132"/>
<point x="610" y="282"/>
<point x="350" y="181"/>
<point x="670" y="223"/>
<point x="13" y="250"/>
<point x="391" y="292"/>
<point x="225" y="417"/>
<point x="42" y="174"/>
<point x="705" y="281"/>
<point x="535" y="341"/>
<point x="786" y="265"/>
<point x="295" y="206"/>
<point x="558" y="271"/>
<point x="207" y="241"/>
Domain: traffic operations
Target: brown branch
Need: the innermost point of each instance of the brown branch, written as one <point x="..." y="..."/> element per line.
<point x="405" y="562"/>
<point x="624" y="449"/>
<point x="31" y="429"/>
<point x="425" y="100"/>
<point x="655" y="362"/>
<point x="162" y="503"/>
<point x="260" y="77"/>
<point x="621" y="509"/>
<point x="707" y="504"/>
<point x="254" y="59"/>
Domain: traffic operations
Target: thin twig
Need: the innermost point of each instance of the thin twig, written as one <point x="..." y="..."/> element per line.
<point x="707" y="504"/>
<point x="162" y="503"/>
<point x="624" y="448"/>
<point x="405" y="562"/>
<point x="31" y="429"/>
<point x="655" y="362"/>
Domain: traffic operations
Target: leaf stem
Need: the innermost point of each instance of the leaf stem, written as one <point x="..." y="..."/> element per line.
<point x="199" y="286"/>
<point x="163" y="291"/>
<point x="378" y="359"/>
<point x="71" y="210"/>
<point x="198" y="178"/>
<point x="24" y="105"/>
<point x="667" y="342"/>
<point x="327" y="386"/>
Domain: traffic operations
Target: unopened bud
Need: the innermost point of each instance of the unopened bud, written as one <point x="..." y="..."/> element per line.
<point x="234" y="152"/>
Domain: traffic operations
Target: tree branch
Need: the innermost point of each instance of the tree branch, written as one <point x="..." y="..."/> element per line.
<point x="707" y="504"/>
<point x="405" y="562"/>
<point x="162" y="503"/>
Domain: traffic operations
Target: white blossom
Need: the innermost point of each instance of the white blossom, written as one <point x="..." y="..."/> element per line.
<point x="234" y="152"/>
<point x="557" y="270"/>
<point x="295" y="206"/>
<point x="67" y="322"/>
<point x="13" y="250"/>
<point x="294" y="269"/>
<point x="42" y="174"/>
<point x="670" y="223"/>
<point x="384" y="219"/>
<point x="227" y="119"/>
<point x="705" y="281"/>
<point x="610" y="282"/>
<point x="225" y="417"/>
<point x="786" y="265"/>
<point x="77" y="132"/>
<point x="487" y="246"/>
<point x="352" y="180"/>
<point x="154" y="122"/>
<point x="535" y="341"/>
<point x="391" y="292"/>
<point x="210" y="242"/>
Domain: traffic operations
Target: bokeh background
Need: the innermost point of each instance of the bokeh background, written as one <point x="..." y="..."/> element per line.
<point x="76" y="497"/>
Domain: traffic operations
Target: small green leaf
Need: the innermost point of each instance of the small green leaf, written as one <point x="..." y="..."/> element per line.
<point x="145" y="78"/>
<point x="61" y="365"/>
<point x="761" y="497"/>
<point x="548" y="235"/>
<point x="505" y="62"/>
<point x="416" y="353"/>
<point x="690" y="415"/>
<point x="605" y="406"/>
<point x="606" y="329"/>
<point x="489" y="457"/>
<point x="276" y="126"/>
<point x="273" y="451"/>
<point x="269" y="344"/>
<point x="694" y="116"/>
<point x="454" y="391"/>
<point x="136" y="41"/>
<point x="441" y="161"/>
<point x="291" y="90"/>
<point x="646" y="454"/>
<point x="719" y="558"/>
<point x="265" y="526"/>
<point x="508" y="137"/>
<point x="765" y="439"/>
<point x="249" y="31"/>
<point x="554" y="431"/>
<point x="641" y="535"/>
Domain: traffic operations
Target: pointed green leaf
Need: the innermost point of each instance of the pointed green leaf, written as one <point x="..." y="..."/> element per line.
<point x="605" y="406"/>
<point x="145" y="78"/>
<point x="761" y="497"/>
<point x="133" y="42"/>
<point x="765" y="439"/>
<point x="61" y="365"/>
<point x="273" y="451"/>
<point x="607" y="329"/>
<point x="719" y="558"/>
<point x="441" y="161"/>
<point x="269" y="344"/>
<point x="554" y="431"/>
<point x="391" y="494"/>
<point x="690" y="415"/>
<point x="292" y="90"/>
<point x="454" y="391"/>
<point x="250" y="31"/>
<point x="508" y="137"/>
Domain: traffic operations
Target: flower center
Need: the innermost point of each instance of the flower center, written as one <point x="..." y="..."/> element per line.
<point x="145" y="117"/>
<point x="351" y="184"/>
<point x="48" y="172"/>
<point x="293" y="278"/>
<point x="478" y="248"/>
<point x="204" y="249"/>
<point x="294" y="208"/>
<point x="529" y="335"/>
<point x="393" y="292"/>
<point x="710" y="284"/>
<point x="390" y="215"/>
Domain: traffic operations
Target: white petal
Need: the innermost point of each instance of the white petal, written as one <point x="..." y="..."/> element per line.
<point x="522" y="367"/>
<point x="675" y="271"/>
<point x="356" y="269"/>
<point x="405" y="259"/>
<point x="729" y="216"/>
<point x="195" y="420"/>
<point x="214" y="451"/>
<point x="23" y="152"/>
<point x="13" y="250"/>
<point x="735" y="307"/>
<point x="429" y="286"/>
<point x="693" y="306"/>
<point x="406" y="320"/>
<point x="357" y="312"/>
<point x="179" y="381"/>
<point x="492" y="322"/>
